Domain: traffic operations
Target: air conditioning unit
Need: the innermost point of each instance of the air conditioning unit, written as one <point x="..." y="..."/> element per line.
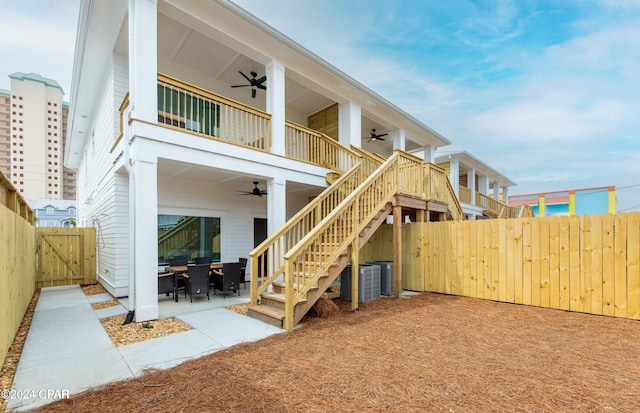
<point x="368" y="283"/>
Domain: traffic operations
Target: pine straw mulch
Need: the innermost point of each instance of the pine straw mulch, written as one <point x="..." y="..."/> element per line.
<point x="131" y="333"/>
<point x="428" y="352"/>
<point x="93" y="289"/>
<point x="10" y="365"/>
<point x="136" y="332"/>
<point x="104" y="304"/>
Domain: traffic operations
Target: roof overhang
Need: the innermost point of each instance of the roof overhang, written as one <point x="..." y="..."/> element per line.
<point x="99" y="26"/>
<point x="468" y="161"/>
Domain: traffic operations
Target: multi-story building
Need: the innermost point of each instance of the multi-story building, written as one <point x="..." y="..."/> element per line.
<point x="601" y="200"/>
<point x="54" y="212"/>
<point x="478" y="186"/>
<point x="176" y="159"/>
<point x="33" y="123"/>
<point x="33" y="127"/>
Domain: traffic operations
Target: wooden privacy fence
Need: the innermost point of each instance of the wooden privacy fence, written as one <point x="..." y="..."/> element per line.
<point x="65" y="256"/>
<point x="588" y="263"/>
<point x="17" y="273"/>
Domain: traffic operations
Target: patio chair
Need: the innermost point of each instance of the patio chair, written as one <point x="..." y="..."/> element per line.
<point x="198" y="281"/>
<point x="166" y="284"/>
<point x="179" y="262"/>
<point x="227" y="280"/>
<point x="243" y="262"/>
<point x="203" y="260"/>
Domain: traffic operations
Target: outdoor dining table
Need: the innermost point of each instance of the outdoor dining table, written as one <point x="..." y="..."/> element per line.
<point x="181" y="271"/>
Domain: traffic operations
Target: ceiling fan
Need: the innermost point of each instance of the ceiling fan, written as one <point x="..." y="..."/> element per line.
<point x="253" y="82"/>
<point x="255" y="191"/>
<point x="375" y="137"/>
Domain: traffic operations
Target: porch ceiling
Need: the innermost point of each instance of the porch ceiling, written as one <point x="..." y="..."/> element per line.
<point x="214" y="176"/>
<point x="216" y="66"/>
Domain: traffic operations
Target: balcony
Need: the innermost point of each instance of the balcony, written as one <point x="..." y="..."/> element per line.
<point x="188" y="108"/>
<point x="492" y="207"/>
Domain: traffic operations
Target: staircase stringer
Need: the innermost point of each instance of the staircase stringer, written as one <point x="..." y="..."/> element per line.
<point x="335" y="234"/>
<point x="343" y="260"/>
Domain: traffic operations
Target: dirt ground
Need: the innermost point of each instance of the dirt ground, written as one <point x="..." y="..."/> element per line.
<point x="428" y="352"/>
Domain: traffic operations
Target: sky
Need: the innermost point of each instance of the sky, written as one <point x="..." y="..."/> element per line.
<point x="545" y="92"/>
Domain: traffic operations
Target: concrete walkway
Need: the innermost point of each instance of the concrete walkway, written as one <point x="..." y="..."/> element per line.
<point x="67" y="350"/>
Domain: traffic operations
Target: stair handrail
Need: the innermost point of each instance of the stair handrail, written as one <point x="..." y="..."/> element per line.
<point x="452" y="200"/>
<point x="308" y="145"/>
<point x="264" y="256"/>
<point x="354" y="213"/>
<point x="442" y="190"/>
<point x="370" y="161"/>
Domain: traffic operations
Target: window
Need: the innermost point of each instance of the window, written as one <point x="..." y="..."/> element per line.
<point x="187" y="237"/>
<point x="49" y="210"/>
<point x="188" y="111"/>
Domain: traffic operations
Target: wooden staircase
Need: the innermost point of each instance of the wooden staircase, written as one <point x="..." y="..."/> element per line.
<point x="271" y="308"/>
<point x="293" y="268"/>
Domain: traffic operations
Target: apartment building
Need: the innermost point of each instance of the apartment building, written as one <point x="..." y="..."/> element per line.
<point x="33" y="126"/>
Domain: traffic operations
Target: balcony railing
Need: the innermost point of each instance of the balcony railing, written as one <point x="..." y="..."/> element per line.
<point x="492" y="205"/>
<point x="464" y="195"/>
<point x="310" y="146"/>
<point x="436" y="182"/>
<point x="187" y="107"/>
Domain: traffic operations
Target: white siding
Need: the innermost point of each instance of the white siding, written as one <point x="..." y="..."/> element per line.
<point x="100" y="199"/>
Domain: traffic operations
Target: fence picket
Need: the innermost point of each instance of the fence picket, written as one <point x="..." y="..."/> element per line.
<point x="633" y="266"/>
<point x="583" y="263"/>
<point x="608" y="266"/>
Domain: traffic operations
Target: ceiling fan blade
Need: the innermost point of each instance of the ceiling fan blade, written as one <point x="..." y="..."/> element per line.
<point x="384" y="134"/>
<point x="261" y="80"/>
<point x="263" y="87"/>
<point x="253" y="92"/>
<point x="240" y="85"/>
<point x="245" y="76"/>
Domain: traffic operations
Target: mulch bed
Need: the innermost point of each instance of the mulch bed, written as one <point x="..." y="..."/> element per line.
<point x="428" y="352"/>
<point x="136" y="332"/>
<point x="104" y="304"/>
<point x="10" y="365"/>
<point x="93" y="289"/>
<point x="121" y="334"/>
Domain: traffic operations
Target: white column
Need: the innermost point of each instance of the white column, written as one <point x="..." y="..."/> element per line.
<point x="483" y="184"/>
<point x="471" y="183"/>
<point x="454" y="175"/>
<point x="505" y="194"/>
<point x="350" y="124"/>
<point x="276" y="204"/>
<point x="143" y="59"/>
<point x="429" y="153"/>
<point x="496" y="192"/>
<point x="145" y="236"/>
<point x="399" y="139"/>
<point x="276" y="105"/>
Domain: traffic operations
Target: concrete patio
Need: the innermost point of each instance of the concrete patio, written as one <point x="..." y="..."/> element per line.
<point x="67" y="350"/>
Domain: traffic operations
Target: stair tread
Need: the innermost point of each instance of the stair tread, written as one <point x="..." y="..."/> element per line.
<point x="295" y="285"/>
<point x="278" y="297"/>
<point x="318" y="263"/>
<point x="268" y="311"/>
<point x="306" y="274"/>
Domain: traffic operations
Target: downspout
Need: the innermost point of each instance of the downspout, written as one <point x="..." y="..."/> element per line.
<point x="132" y="215"/>
<point x="127" y="165"/>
